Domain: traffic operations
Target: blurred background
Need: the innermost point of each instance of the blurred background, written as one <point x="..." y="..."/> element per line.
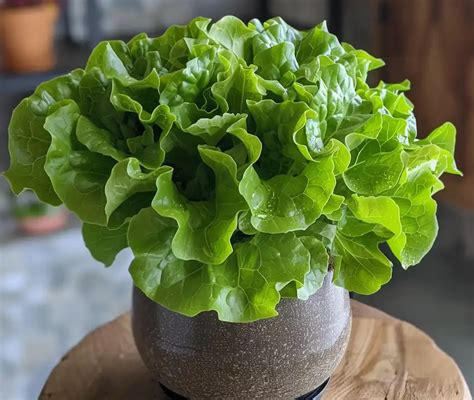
<point x="51" y="290"/>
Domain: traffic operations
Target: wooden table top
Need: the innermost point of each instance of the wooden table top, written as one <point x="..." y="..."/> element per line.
<point x="386" y="359"/>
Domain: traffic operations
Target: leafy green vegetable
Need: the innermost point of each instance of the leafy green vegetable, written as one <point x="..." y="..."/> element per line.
<point x="204" y="227"/>
<point x="362" y="267"/>
<point x="244" y="288"/>
<point x="78" y="176"/>
<point x="288" y="203"/>
<point x="29" y="141"/>
<point x="239" y="162"/>
<point x="103" y="243"/>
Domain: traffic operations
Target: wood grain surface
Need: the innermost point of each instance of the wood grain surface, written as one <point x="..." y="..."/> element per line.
<point x="386" y="359"/>
<point x="431" y="42"/>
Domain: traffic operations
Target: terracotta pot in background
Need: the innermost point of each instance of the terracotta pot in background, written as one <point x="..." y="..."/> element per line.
<point x="27" y="37"/>
<point x="43" y="224"/>
<point x="278" y="358"/>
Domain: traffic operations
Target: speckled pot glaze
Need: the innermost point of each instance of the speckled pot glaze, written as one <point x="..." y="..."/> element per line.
<point x="277" y="358"/>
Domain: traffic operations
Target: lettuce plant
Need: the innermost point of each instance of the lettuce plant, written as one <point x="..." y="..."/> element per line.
<point x="240" y="163"/>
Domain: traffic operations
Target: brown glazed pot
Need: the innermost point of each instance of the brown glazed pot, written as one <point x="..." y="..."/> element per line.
<point x="278" y="358"/>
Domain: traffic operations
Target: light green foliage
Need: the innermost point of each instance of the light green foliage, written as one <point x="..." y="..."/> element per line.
<point x="239" y="162"/>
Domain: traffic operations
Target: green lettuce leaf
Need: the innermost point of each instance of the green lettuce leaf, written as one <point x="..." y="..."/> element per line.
<point x="212" y="130"/>
<point x="334" y="208"/>
<point x="374" y="172"/>
<point x="186" y="84"/>
<point x="204" y="227"/>
<point x="233" y="34"/>
<point x="382" y="211"/>
<point x="244" y="288"/>
<point x="28" y="141"/>
<point x="376" y="164"/>
<point x="78" y="176"/>
<point x="318" y="41"/>
<point x="233" y="92"/>
<point x="104" y="244"/>
<point x="437" y="150"/>
<point x="362" y="267"/>
<point x="314" y="279"/>
<point x="127" y="179"/>
<point x="418" y="217"/>
<point x="272" y="32"/>
<point x="97" y="140"/>
<point x="285" y="203"/>
<point x="241" y="162"/>
<point x="278" y="125"/>
<point x="276" y="62"/>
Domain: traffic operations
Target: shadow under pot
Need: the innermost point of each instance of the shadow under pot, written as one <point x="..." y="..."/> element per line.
<point x="285" y="357"/>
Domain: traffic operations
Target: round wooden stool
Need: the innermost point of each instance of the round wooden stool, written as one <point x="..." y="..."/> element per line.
<point x="386" y="359"/>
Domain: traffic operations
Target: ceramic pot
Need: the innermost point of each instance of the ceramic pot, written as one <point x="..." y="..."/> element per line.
<point x="43" y="224"/>
<point x="278" y="358"/>
<point x="26" y="37"/>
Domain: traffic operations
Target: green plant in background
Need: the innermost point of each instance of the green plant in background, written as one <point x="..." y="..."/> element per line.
<point x="28" y="206"/>
<point x="239" y="162"/>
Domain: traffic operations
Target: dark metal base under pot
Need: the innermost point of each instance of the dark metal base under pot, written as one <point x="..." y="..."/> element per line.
<point x="316" y="394"/>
